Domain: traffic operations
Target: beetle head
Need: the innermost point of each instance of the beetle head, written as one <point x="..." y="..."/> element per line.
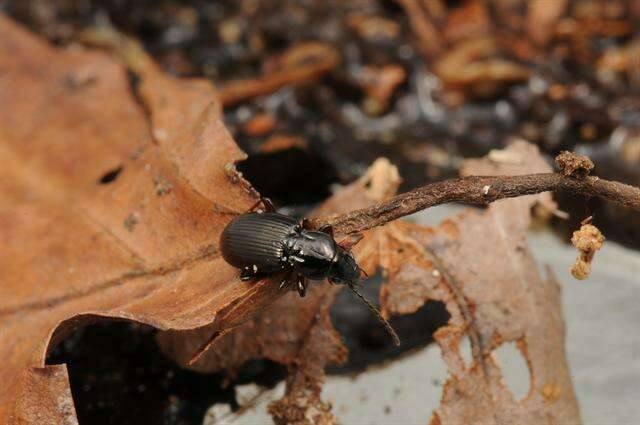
<point x="344" y="268"/>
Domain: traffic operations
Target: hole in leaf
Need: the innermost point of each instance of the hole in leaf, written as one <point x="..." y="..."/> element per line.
<point x="119" y="376"/>
<point x="289" y="177"/>
<point x="367" y="340"/>
<point x="465" y="350"/>
<point x="110" y="176"/>
<point x="514" y="367"/>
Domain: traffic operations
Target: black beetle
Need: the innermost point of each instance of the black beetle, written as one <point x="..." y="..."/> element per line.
<point x="261" y="243"/>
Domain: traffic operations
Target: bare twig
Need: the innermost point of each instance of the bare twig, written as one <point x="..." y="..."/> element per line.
<point x="478" y="190"/>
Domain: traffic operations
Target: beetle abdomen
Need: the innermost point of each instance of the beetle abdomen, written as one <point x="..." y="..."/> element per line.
<point x="256" y="239"/>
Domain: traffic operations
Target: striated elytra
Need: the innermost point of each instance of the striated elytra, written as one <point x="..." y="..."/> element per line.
<point x="265" y="243"/>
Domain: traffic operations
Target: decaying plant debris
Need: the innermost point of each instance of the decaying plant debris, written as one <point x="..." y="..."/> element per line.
<point x="588" y="239"/>
<point x="114" y="194"/>
<point x="105" y="247"/>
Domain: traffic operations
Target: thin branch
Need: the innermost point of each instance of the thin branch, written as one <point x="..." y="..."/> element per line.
<point x="478" y="190"/>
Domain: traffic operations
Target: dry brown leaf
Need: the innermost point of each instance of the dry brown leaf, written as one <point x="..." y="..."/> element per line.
<point x="298" y="65"/>
<point x="259" y="125"/>
<point x="469" y="20"/>
<point x="372" y="27"/>
<point x="283" y="142"/>
<point x="618" y="60"/>
<point x="294" y="332"/>
<point x="379" y="84"/>
<point x="542" y="16"/>
<point x="111" y="204"/>
<point x="503" y="298"/>
<point x="472" y="65"/>
<point x="478" y="264"/>
<point x="430" y="42"/>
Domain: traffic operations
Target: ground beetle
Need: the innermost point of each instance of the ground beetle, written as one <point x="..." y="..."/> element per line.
<point x="262" y="243"/>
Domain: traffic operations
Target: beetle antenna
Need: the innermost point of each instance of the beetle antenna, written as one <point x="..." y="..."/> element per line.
<point x="376" y="312"/>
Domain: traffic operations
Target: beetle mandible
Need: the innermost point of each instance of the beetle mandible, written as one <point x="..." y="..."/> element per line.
<point x="262" y="243"/>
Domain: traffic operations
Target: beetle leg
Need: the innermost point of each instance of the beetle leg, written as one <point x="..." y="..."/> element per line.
<point x="297" y="258"/>
<point x="247" y="273"/>
<point x="301" y="284"/>
<point x="286" y="280"/>
<point x="266" y="203"/>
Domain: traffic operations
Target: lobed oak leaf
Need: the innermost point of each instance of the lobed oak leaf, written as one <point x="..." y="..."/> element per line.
<point x="479" y="265"/>
<point x="112" y="199"/>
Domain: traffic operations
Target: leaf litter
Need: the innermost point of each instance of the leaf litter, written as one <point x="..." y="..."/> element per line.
<point x="71" y="259"/>
<point x="72" y="253"/>
<point x="492" y="298"/>
<point x="479" y="265"/>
